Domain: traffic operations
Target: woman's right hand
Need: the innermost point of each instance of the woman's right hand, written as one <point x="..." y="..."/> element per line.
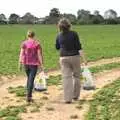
<point x="83" y="57"/>
<point x="84" y="64"/>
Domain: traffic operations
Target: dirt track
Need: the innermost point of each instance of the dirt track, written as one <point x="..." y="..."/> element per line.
<point x="55" y="96"/>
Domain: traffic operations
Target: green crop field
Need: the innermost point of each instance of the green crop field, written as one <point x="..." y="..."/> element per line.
<point x="106" y="104"/>
<point x="102" y="41"/>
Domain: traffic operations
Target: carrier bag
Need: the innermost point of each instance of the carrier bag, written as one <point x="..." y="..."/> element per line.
<point x="89" y="81"/>
<point x="40" y="83"/>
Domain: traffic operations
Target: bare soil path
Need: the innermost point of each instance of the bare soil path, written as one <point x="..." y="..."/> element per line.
<point x="54" y="107"/>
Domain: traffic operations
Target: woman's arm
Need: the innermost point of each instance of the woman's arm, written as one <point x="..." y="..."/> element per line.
<point x="79" y="47"/>
<point x="57" y="43"/>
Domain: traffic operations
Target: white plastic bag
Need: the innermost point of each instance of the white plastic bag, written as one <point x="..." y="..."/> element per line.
<point x="40" y="83"/>
<point x="89" y="81"/>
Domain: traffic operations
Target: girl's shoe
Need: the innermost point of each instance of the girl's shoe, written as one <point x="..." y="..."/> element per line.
<point x="29" y="99"/>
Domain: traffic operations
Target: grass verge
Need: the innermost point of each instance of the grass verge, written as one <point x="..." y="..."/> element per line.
<point x="12" y="112"/>
<point x="106" y="103"/>
<point x="102" y="68"/>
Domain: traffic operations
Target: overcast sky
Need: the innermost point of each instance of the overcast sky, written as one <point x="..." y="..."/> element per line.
<point x="41" y="8"/>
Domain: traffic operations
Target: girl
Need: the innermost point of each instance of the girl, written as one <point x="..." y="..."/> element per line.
<point x="31" y="57"/>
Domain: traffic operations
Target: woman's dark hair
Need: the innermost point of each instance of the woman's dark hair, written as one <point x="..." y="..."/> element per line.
<point x="64" y="25"/>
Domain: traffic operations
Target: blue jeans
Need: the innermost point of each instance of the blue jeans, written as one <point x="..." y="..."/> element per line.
<point x="31" y="71"/>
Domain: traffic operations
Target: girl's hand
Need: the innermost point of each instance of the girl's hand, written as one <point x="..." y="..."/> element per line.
<point x="41" y="68"/>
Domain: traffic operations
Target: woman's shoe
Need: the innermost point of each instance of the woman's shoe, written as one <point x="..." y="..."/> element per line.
<point x="75" y="99"/>
<point x="68" y="102"/>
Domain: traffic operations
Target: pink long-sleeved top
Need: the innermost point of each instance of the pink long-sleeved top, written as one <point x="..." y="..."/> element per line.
<point x="29" y="55"/>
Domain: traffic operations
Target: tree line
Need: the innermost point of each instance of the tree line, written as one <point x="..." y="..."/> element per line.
<point x="83" y="17"/>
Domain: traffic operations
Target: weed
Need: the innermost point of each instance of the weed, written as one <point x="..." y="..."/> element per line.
<point x="74" y="116"/>
<point x="50" y="108"/>
<point x="19" y="91"/>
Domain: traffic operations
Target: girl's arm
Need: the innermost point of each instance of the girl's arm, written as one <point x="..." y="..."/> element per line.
<point x="21" y="55"/>
<point x="40" y="56"/>
<point x="20" y="59"/>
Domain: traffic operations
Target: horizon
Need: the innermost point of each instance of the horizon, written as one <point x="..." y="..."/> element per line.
<point x="42" y="8"/>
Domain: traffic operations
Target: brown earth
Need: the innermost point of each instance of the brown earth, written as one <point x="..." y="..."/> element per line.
<point x="54" y="108"/>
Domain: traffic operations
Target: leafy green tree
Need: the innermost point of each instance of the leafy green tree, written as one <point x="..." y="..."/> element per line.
<point x="83" y="16"/>
<point x="97" y="18"/>
<point x="28" y="18"/>
<point x="54" y="12"/>
<point x="110" y="17"/>
<point x="110" y="14"/>
<point x="96" y="13"/>
<point x="71" y="17"/>
<point x="3" y="19"/>
<point x="53" y="17"/>
<point x="14" y="18"/>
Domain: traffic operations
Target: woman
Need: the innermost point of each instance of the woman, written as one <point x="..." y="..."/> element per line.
<point x="70" y="51"/>
<point x="31" y="57"/>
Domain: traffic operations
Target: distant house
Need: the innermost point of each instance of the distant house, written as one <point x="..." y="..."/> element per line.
<point x="40" y="21"/>
<point x="4" y="21"/>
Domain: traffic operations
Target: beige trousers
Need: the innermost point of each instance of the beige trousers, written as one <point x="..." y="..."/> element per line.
<point x="70" y="67"/>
